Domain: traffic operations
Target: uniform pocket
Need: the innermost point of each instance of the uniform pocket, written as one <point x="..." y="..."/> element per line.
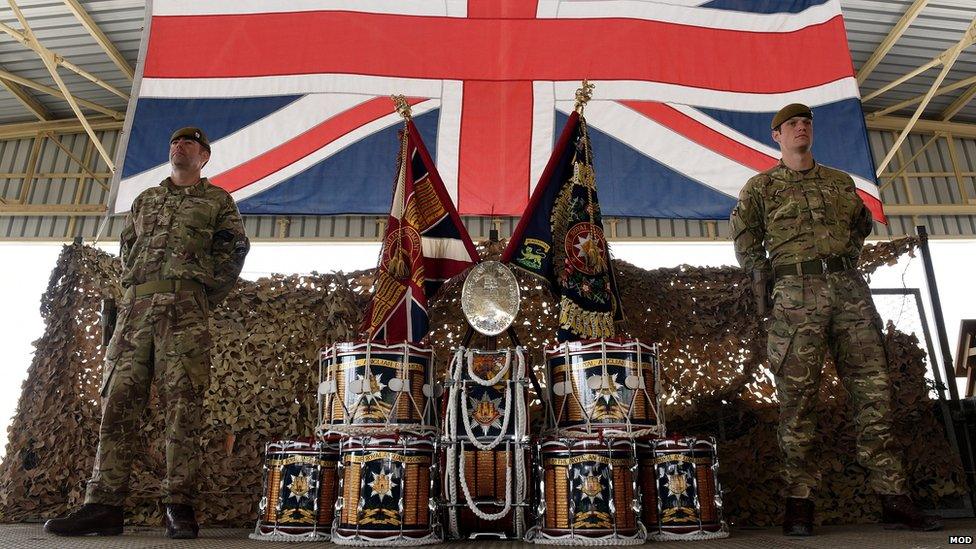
<point x="787" y="314"/>
<point x="116" y="346"/>
<point x="190" y="347"/>
<point x="778" y="344"/>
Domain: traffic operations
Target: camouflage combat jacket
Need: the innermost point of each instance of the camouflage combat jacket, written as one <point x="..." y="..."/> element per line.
<point x="785" y="217"/>
<point x="184" y="233"/>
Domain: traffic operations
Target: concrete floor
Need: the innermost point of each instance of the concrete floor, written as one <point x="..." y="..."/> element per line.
<point x="833" y="537"/>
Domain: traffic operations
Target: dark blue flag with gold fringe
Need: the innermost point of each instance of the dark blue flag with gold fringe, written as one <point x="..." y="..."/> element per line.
<point x="560" y="236"/>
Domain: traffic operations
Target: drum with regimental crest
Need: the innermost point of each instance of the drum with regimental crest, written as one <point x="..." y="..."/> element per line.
<point x="680" y="493"/>
<point x="300" y="490"/>
<point x="605" y="387"/>
<point x="386" y="487"/>
<point x="588" y="493"/>
<point x="486" y="447"/>
<point x="373" y="387"/>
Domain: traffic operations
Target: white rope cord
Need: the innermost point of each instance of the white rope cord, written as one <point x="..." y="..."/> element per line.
<point x="607" y="433"/>
<point x="455" y="452"/>
<point x="466" y="420"/>
<point x="521" y="427"/>
<point x="292" y="538"/>
<point x="398" y="540"/>
<point x="367" y="376"/>
<point x="470" y="500"/>
<point x="404" y="377"/>
<point x="493" y="381"/>
<point x="536" y="535"/>
<point x="473" y="439"/>
<point x="450" y="432"/>
<point x="690" y="536"/>
<point x="382" y="429"/>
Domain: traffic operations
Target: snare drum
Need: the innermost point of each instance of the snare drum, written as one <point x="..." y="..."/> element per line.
<point x="300" y="489"/>
<point x="680" y="493"/>
<point x="487" y="455"/>
<point x="375" y="386"/>
<point x="588" y="490"/>
<point x="603" y="385"/>
<point x="386" y="493"/>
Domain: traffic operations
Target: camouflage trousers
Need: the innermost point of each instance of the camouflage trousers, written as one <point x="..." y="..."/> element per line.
<point x="163" y="337"/>
<point x="814" y="314"/>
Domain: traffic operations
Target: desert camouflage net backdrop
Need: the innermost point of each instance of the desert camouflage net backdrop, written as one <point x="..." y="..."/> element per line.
<point x="265" y="370"/>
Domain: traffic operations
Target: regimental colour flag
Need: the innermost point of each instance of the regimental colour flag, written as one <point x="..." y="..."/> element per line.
<point x="560" y="239"/>
<point x="425" y="244"/>
<point x="294" y="98"/>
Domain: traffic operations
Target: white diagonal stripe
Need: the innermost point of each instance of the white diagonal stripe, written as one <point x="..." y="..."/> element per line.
<point x="332" y="148"/>
<point x="693" y="15"/>
<point x="444" y="248"/>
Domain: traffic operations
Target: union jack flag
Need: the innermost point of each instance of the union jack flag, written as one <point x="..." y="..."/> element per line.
<point x="294" y="97"/>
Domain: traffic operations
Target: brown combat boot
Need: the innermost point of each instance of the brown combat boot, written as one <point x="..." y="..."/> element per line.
<point x="900" y="512"/>
<point x="90" y="519"/>
<point x="799" y="517"/>
<point x="181" y="522"/>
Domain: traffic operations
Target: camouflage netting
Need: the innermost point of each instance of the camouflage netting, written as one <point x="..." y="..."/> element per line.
<point x="265" y="370"/>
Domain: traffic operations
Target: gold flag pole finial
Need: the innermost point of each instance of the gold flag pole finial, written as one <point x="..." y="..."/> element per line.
<point x="402" y="107"/>
<point x="583" y="94"/>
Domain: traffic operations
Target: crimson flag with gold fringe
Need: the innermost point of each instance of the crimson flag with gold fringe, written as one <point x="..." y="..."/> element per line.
<point x="425" y="244"/>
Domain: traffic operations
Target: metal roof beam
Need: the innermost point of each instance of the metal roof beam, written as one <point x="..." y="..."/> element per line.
<point x="93" y="29"/>
<point x="25" y="130"/>
<point x="908" y="102"/>
<point x="958" y="104"/>
<point x="947" y="61"/>
<point x="26" y="99"/>
<point x="945" y="58"/>
<point x="52" y="209"/>
<point x="28" y="39"/>
<point x="900" y="27"/>
<point x="894" y="123"/>
<point x="50" y="61"/>
<point x="81" y="163"/>
<point x="28" y="83"/>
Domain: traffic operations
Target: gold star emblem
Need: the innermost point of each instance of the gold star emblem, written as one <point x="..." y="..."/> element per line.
<point x="677" y="484"/>
<point x="299" y="487"/>
<point x="382" y="485"/>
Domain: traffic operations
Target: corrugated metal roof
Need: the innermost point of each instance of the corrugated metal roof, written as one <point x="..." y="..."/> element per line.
<point x="939" y="26"/>
<point x="57" y="29"/>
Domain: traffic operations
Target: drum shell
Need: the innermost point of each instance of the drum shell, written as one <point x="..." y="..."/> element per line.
<point x="694" y="459"/>
<point x="406" y="463"/>
<point x="480" y="397"/>
<point x="484" y="471"/>
<point x="565" y="465"/>
<point x="578" y="361"/>
<point x="345" y="362"/>
<point x="284" y="461"/>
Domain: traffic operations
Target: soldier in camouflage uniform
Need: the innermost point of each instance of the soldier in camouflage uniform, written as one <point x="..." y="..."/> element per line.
<point x="799" y="228"/>
<point x="182" y="249"/>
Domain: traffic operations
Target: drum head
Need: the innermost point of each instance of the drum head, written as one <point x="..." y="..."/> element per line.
<point x="490" y="298"/>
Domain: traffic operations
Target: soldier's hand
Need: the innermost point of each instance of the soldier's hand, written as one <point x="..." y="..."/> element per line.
<point x="762" y="285"/>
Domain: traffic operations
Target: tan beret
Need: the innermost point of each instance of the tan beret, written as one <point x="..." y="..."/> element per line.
<point x="789" y="111"/>
<point x="196" y="134"/>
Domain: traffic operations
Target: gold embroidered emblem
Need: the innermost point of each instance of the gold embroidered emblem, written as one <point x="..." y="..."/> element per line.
<point x="382" y="485"/>
<point x="677" y="484"/>
<point x="299" y="486"/>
